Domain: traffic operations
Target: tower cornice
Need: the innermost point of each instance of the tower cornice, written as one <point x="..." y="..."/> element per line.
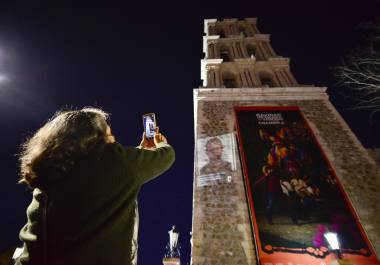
<point x="252" y="20"/>
<point x="262" y="93"/>
<point x="206" y="40"/>
<point x="206" y="24"/>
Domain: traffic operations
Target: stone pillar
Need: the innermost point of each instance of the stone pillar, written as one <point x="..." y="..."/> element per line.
<point x="211" y="54"/>
<point x="254" y="78"/>
<point x="243" y="50"/>
<point x="233" y="50"/>
<point x="291" y="77"/>
<point x="233" y="29"/>
<point x="268" y="51"/>
<point x="260" y="51"/>
<point x="216" y="49"/>
<point x="246" y="77"/>
<point x="218" y="77"/>
<point x="243" y="78"/>
<point x="275" y="79"/>
<point x="237" y="49"/>
<point x="288" y="78"/>
<point x="210" y="77"/>
<point x="250" y="30"/>
<point x="226" y="29"/>
<point x="254" y="29"/>
<point x="239" y="52"/>
<point x="249" y="78"/>
<point x="271" y="49"/>
<point x="281" y="79"/>
<point x="289" y="82"/>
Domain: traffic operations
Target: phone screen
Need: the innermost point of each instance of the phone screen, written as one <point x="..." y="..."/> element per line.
<point x="149" y="121"/>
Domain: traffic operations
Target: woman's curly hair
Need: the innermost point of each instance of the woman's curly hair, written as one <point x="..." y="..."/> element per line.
<point x="67" y="136"/>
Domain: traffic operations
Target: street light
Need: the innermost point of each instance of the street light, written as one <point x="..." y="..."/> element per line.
<point x="172" y="253"/>
<point x="332" y="240"/>
<point x="173" y="238"/>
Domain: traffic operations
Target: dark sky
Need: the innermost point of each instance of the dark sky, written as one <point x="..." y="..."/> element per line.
<point x="135" y="58"/>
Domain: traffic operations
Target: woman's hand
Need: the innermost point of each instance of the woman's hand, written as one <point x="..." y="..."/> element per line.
<point x="146" y="143"/>
<point x="152" y="143"/>
<point x="159" y="138"/>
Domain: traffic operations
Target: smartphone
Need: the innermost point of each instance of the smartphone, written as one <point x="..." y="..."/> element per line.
<point x="149" y="123"/>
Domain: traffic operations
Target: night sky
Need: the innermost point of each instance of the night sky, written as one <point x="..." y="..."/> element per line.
<point x="131" y="59"/>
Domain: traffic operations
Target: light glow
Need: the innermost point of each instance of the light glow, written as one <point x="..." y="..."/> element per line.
<point x="2" y="78"/>
<point x="332" y="239"/>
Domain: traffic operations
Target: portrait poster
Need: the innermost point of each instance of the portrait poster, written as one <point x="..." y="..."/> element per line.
<point x="294" y="195"/>
<point x="216" y="159"/>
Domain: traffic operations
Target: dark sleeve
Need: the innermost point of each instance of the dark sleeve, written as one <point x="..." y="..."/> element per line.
<point x="148" y="164"/>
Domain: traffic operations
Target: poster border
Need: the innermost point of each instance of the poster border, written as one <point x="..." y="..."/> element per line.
<point x="256" y="235"/>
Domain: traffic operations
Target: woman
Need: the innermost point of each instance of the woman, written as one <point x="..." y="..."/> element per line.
<point x="85" y="186"/>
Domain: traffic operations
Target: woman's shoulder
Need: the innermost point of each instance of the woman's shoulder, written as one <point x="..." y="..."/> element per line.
<point x="117" y="150"/>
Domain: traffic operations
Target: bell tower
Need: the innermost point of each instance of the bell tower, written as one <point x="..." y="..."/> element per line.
<point x="237" y="55"/>
<point x="242" y="71"/>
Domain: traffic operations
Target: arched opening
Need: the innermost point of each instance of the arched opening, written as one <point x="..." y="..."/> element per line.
<point x="266" y="79"/>
<point x="211" y="30"/>
<point x="229" y="80"/>
<point x="242" y="31"/>
<point x="220" y="32"/>
<point x="251" y="50"/>
<point x="225" y="54"/>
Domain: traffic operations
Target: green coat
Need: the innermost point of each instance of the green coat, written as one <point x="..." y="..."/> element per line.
<point x="92" y="210"/>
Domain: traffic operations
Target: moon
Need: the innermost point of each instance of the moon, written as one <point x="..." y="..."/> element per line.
<point x="3" y="78"/>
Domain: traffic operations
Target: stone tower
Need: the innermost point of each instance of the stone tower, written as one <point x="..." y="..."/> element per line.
<point x="241" y="69"/>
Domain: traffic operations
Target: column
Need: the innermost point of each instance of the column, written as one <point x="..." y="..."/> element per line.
<point x="238" y="53"/>
<point x="243" y="50"/>
<point x="241" y="81"/>
<point x="233" y="29"/>
<point x="250" y="31"/>
<point x="243" y="78"/>
<point x="286" y="77"/>
<point x="271" y="49"/>
<point x="254" y="29"/>
<point x="260" y="51"/>
<point x="248" y="78"/>
<point x="226" y="29"/>
<point x="218" y="80"/>
<point x="232" y="50"/>
<point x="268" y="51"/>
<point x="279" y="78"/>
<point x="254" y="78"/>
<point x="216" y="52"/>
<point x="291" y="77"/>
<point x="210" y="77"/>
<point x="210" y="48"/>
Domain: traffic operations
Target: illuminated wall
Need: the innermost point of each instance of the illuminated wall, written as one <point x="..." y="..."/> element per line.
<point x="223" y="231"/>
<point x="221" y="225"/>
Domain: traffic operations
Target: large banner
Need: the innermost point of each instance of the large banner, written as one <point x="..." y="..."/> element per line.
<point x="294" y="194"/>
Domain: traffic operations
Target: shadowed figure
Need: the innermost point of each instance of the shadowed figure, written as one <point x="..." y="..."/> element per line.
<point x="85" y="187"/>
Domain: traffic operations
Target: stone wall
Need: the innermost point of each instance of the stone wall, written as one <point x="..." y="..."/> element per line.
<point x="221" y="225"/>
<point x="375" y="154"/>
